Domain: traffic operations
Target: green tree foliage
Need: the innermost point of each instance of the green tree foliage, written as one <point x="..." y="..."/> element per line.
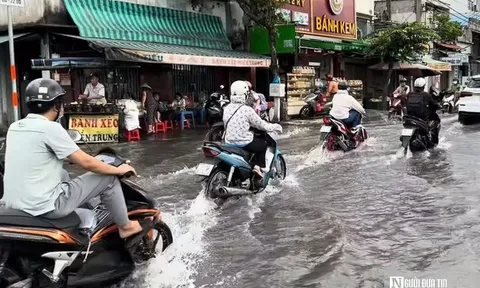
<point x="447" y="30"/>
<point x="402" y="43"/>
<point x="264" y="13"/>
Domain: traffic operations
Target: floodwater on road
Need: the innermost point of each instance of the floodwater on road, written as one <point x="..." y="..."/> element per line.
<point x="339" y="220"/>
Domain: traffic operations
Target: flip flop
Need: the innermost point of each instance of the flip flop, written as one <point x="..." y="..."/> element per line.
<point x="147" y="225"/>
<point x="258" y="172"/>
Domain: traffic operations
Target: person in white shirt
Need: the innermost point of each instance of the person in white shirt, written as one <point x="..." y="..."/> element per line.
<point x="345" y="107"/>
<point x="403" y="89"/>
<point x="94" y="91"/>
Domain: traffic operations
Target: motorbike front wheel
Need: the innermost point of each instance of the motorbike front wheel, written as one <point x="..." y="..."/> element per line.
<point x="146" y="249"/>
<point x="306" y="112"/>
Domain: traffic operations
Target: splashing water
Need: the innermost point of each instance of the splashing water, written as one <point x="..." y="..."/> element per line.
<point x="178" y="262"/>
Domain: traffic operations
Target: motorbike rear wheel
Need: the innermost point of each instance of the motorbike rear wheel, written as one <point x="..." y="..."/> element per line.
<point x="146" y="249"/>
<point x="329" y="142"/>
<point x="217" y="179"/>
<point x="306" y="112"/>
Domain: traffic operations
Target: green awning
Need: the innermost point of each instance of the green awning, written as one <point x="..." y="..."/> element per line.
<point x="141" y="33"/>
<point x="351" y="46"/>
<point x="117" y="20"/>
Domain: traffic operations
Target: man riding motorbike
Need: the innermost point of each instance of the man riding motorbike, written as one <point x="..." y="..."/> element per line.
<point x="455" y="89"/>
<point x="345" y="107"/>
<point x="239" y="119"/>
<point x="403" y="89"/>
<point x="420" y="104"/>
<point x="332" y="85"/>
<point x="35" y="181"/>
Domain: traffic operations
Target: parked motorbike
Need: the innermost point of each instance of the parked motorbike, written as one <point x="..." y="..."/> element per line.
<point x="417" y="134"/>
<point x="335" y="135"/>
<point x="396" y="107"/>
<point x="227" y="171"/>
<point x="214" y="109"/>
<point x="315" y="105"/>
<point x="82" y="249"/>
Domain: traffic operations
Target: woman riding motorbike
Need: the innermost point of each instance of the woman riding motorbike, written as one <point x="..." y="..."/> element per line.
<point x="239" y="119"/>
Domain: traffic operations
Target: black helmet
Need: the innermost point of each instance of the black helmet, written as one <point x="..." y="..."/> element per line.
<point x="43" y="90"/>
<point x="343" y="85"/>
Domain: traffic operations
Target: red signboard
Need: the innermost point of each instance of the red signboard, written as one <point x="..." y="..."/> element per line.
<point x="330" y="18"/>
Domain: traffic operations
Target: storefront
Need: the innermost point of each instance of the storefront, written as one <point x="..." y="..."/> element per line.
<point x="323" y="34"/>
<point x="97" y="122"/>
<point x="172" y="50"/>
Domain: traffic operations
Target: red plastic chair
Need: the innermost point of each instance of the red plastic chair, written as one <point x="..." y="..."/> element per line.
<point x="168" y="124"/>
<point x="160" y="127"/>
<point x="133" y="135"/>
<point x="187" y="123"/>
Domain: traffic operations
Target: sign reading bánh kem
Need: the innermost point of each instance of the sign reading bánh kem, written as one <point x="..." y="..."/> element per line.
<point x="95" y="128"/>
<point x="330" y="18"/>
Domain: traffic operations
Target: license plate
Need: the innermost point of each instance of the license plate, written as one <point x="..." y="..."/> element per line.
<point x="325" y="129"/>
<point x="407" y="132"/>
<point x="204" y="169"/>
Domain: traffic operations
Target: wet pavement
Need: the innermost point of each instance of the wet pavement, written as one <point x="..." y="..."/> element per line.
<point x="338" y="220"/>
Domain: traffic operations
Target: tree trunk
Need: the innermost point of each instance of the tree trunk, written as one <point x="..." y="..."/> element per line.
<point x="387" y="84"/>
<point x="272" y="35"/>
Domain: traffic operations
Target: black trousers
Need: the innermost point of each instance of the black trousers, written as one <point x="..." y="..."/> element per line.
<point x="259" y="147"/>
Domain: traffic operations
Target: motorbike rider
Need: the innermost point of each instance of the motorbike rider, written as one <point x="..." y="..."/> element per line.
<point x="403" y="89"/>
<point x="455" y="89"/>
<point x="332" y="85"/>
<point x="35" y="181"/>
<point x="239" y="118"/>
<point x="253" y="99"/>
<point x="345" y="107"/>
<point x="420" y="104"/>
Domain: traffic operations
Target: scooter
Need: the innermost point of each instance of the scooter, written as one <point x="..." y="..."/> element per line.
<point x="82" y="249"/>
<point x="315" y="105"/>
<point x="227" y="171"/>
<point x="335" y="135"/>
<point x="396" y="107"/>
<point x="417" y="134"/>
<point x="448" y="103"/>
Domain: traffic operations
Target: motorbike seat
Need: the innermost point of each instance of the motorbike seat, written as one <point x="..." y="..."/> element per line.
<point x="13" y="217"/>
<point x="234" y="150"/>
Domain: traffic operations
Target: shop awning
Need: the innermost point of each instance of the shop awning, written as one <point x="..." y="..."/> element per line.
<point x="141" y="33"/>
<point x="449" y="46"/>
<point x="350" y="46"/>
<point x="4" y="39"/>
<point x="437" y="65"/>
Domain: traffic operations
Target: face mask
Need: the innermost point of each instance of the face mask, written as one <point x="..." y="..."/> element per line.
<point x="455" y="82"/>
<point x="402" y="84"/>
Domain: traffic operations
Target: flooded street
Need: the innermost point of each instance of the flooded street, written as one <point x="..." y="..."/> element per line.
<point x="338" y="220"/>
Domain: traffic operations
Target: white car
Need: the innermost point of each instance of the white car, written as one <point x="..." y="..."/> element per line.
<point x="469" y="102"/>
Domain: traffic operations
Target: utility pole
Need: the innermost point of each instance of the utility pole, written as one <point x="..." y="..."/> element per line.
<point x="418" y="10"/>
<point x="389" y="10"/>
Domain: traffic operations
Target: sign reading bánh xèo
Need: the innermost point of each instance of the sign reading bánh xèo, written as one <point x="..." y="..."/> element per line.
<point x="95" y="128"/>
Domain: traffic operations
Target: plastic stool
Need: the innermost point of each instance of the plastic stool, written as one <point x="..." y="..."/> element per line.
<point x="160" y="127"/>
<point x="168" y="124"/>
<point x="187" y="123"/>
<point x="133" y="135"/>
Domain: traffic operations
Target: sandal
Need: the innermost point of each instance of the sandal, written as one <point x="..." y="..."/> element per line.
<point x="258" y="171"/>
<point x="132" y="240"/>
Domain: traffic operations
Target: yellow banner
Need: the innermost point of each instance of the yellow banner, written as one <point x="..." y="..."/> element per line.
<point x="440" y="67"/>
<point x="95" y="128"/>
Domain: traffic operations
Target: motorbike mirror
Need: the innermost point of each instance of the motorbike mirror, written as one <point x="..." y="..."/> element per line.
<point x="74" y="135"/>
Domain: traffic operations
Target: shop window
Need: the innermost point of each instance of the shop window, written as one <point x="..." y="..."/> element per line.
<point x="192" y="80"/>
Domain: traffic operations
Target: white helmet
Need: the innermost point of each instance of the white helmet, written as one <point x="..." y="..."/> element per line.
<point x="239" y="91"/>
<point x="419" y="83"/>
